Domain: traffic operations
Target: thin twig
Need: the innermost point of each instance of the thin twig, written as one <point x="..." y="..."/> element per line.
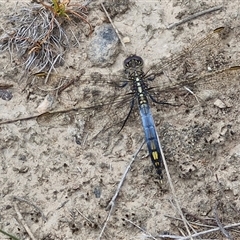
<point x="110" y="20"/>
<point x="19" y="119"/>
<point x="53" y="89"/>
<point x="148" y="234"/>
<point x="39" y="115"/>
<point x="20" y="218"/>
<point x="91" y="222"/>
<point x="195" y="15"/>
<point x="106" y="222"/>
<point x="211" y="230"/>
<point x="9" y="235"/>
<point x="193" y="223"/>
<point x="188" y="223"/>
<point x="189" y="90"/>
<point x="76" y="39"/>
<point x="51" y="68"/>
<point x="65" y="86"/>
<point x="186" y="212"/>
<point x="124" y="177"/>
<point x="31" y="204"/>
<point x="85" y="217"/>
<point x="173" y="191"/>
<point x="112" y="202"/>
<point x="224" y="195"/>
<point x="200" y="233"/>
<point x="220" y="225"/>
<point x="62" y="205"/>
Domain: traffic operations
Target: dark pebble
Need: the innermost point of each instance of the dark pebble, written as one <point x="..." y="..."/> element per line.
<point x="103" y="47"/>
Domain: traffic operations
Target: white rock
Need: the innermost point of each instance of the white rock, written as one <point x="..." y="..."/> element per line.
<point x="220" y="104"/>
<point x="46" y="104"/>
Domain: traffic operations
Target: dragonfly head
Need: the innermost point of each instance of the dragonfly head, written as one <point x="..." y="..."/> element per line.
<point x="133" y="62"/>
<point x="133" y="67"/>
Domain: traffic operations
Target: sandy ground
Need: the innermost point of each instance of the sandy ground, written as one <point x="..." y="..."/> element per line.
<point x="61" y="173"/>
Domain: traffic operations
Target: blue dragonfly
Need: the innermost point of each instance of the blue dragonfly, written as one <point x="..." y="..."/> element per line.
<point x="134" y="70"/>
<point x="112" y="102"/>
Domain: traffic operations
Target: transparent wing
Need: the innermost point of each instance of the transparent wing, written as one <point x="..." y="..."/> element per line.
<point x="106" y="100"/>
<point x="98" y="99"/>
<point x="205" y="64"/>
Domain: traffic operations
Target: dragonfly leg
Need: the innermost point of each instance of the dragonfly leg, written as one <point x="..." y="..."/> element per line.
<point x="150" y="77"/>
<point x="129" y="113"/>
<point x="161" y="102"/>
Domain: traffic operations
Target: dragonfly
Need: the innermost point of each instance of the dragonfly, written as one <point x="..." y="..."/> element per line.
<point x="134" y="70"/>
<point x="111" y="100"/>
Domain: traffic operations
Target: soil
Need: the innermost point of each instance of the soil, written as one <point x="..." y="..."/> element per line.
<point x="61" y="171"/>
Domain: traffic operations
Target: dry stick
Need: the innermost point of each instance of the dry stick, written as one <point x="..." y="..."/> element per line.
<point x="93" y="223"/>
<point x="51" y="68"/>
<point x="195" y="15"/>
<point x="105" y="224"/>
<point x="173" y="191"/>
<point x="188" y="223"/>
<point x="148" y="234"/>
<point x="185" y="211"/>
<point x="210" y="231"/>
<point x="61" y="84"/>
<point x="123" y="177"/>
<point x="85" y="217"/>
<point x="32" y="204"/>
<point x="112" y="202"/>
<point x="189" y="90"/>
<point x="227" y="235"/>
<point x="62" y="205"/>
<point x="200" y="233"/>
<point x="37" y="115"/>
<point x="193" y="223"/>
<point x="110" y="20"/>
<point x="79" y="45"/>
<point x="9" y="235"/>
<point x="181" y="231"/>
<point x="19" y="119"/>
<point x="224" y="195"/>
<point x="20" y="217"/>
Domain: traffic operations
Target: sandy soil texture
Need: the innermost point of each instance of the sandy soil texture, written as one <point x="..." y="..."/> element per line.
<point x="59" y="171"/>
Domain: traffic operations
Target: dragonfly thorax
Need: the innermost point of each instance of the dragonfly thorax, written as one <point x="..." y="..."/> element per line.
<point x="139" y="87"/>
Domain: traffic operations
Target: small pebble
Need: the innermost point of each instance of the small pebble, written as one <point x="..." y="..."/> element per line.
<point x="97" y="192"/>
<point x="220" y="104"/>
<point x="46" y="104"/>
<point x="126" y="40"/>
<point x="5" y="94"/>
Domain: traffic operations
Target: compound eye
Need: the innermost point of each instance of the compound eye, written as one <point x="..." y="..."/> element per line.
<point x="139" y="62"/>
<point x="127" y="62"/>
<point x="126" y="65"/>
